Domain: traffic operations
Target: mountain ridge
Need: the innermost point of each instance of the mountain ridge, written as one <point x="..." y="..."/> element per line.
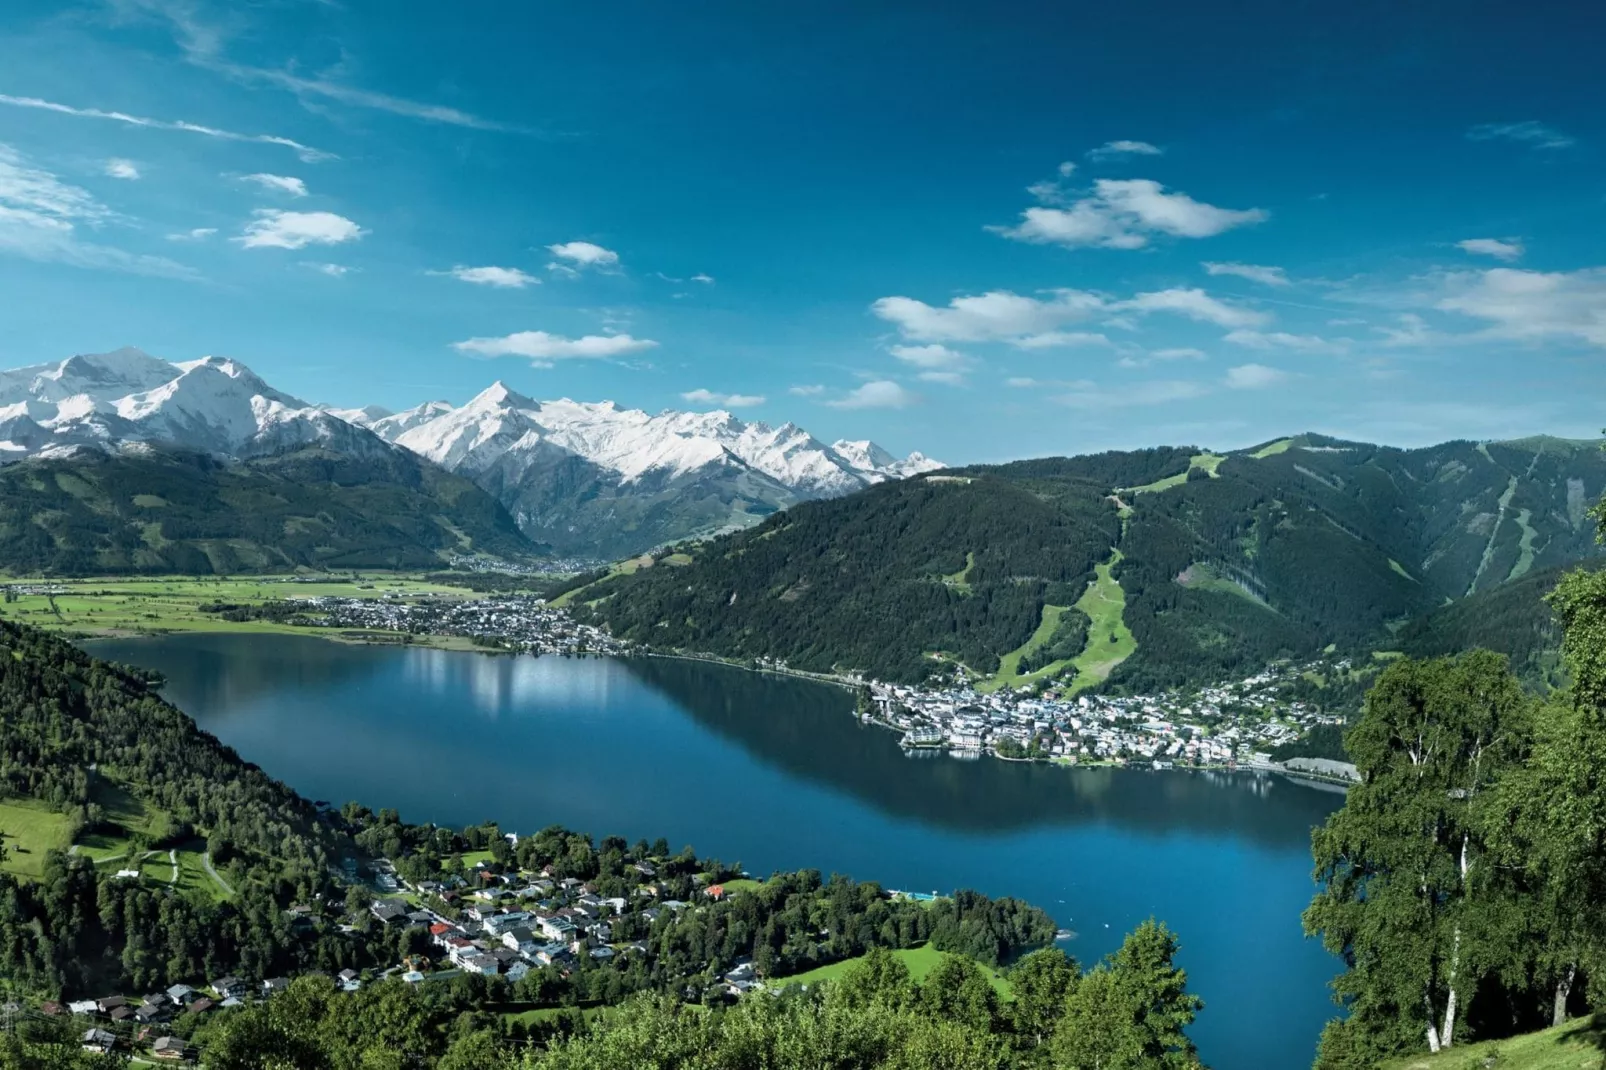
<point x="589" y="478"/>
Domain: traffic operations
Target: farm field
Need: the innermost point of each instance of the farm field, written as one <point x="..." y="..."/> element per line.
<point x="132" y="606"/>
<point x="27" y="830"/>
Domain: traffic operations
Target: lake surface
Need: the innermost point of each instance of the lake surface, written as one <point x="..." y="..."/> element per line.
<point x="776" y="773"/>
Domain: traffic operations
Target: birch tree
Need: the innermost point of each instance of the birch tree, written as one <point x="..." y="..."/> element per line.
<point x="1410" y="900"/>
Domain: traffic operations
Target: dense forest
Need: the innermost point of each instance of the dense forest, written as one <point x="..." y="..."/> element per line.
<point x="1275" y="552"/>
<point x="165" y="511"/>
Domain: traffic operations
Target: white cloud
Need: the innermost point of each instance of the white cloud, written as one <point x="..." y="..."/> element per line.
<point x="1254" y="377"/>
<point x="1532" y="305"/>
<point x="931" y="357"/>
<point x="1159" y="356"/>
<point x="306" y="152"/>
<point x="118" y="168"/>
<point x="332" y="270"/>
<point x="500" y="277"/>
<point x="1530" y="132"/>
<point x="1125" y="214"/>
<point x="543" y="348"/>
<point x="1266" y="275"/>
<point x="876" y="394"/>
<point x="1413" y="330"/>
<point x="1308" y="343"/>
<point x="702" y="277"/>
<point x="195" y="234"/>
<point x="1060" y="340"/>
<point x="808" y="390"/>
<point x="1155" y="392"/>
<point x="945" y="378"/>
<point x="582" y="254"/>
<point x="1113" y="149"/>
<point x="276" y="229"/>
<point x="1066" y="169"/>
<point x="279" y="183"/>
<point x="729" y="401"/>
<point x="997" y="315"/>
<point x="1195" y="304"/>
<point x="41" y="216"/>
<point x="1500" y="249"/>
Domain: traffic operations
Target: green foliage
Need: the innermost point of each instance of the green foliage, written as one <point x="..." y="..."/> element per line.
<point x="857" y="583"/>
<point x="1513" y="619"/>
<point x="94" y="513"/>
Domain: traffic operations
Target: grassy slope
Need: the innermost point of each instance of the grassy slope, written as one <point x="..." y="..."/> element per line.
<point x="1209" y="462"/>
<point x="1577" y="1045"/>
<point x="920" y="960"/>
<point x="1104" y="602"/>
<point x="1009" y="674"/>
<point x="28" y="830"/>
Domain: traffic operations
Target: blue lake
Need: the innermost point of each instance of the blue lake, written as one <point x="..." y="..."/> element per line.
<point x="778" y="774"/>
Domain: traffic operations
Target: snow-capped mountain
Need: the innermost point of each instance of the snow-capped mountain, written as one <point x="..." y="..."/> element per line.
<point x="591" y="479"/>
<point x="582" y="474"/>
<point x="214" y="405"/>
<point x="633" y="443"/>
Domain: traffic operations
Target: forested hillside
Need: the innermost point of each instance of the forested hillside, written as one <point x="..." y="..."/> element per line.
<point x="162" y="511"/>
<point x="1225" y="562"/>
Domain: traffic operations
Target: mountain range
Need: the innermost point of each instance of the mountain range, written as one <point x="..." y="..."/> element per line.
<point x="1217" y="563"/>
<point x="579" y="479"/>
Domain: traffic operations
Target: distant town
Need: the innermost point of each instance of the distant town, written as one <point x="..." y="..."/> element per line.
<point x="1230" y="725"/>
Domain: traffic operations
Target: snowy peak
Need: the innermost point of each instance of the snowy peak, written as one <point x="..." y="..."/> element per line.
<point x="214" y="404"/>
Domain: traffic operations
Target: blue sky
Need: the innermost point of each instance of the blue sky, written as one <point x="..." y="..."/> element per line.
<point x="979" y="230"/>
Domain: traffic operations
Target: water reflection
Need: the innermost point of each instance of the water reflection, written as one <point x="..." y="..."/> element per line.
<point x="808" y="730"/>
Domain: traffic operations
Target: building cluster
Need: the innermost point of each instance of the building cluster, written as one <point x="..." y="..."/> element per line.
<point x="504" y="621"/>
<point x="137" y="1024"/>
<point x="1226" y="725"/>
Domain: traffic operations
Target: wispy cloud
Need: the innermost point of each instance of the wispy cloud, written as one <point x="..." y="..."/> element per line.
<point x="1160" y="356"/>
<point x="1530" y="132"/>
<point x="499" y="277"/>
<point x="1261" y="273"/>
<point x="1195" y="304"/>
<point x="1532" y="305"/>
<point x="334" y="271"/>
<point x="806" y="390"/>
<point x="543" y="348"/>
<point x="119" y="168"/>
<point x="194" y="234"/>
<point x="1154" y="392"/>
<point x="1113" y="149"/>
<point x="41" y="217"/>
<point x="995" y="316"/>
<point x="1507" y="249"/>
<point x="1254" y="377"/>
<point x="1266" y="340"/>
<point x="278" y="183"/>
<point x="876" y="394"/>
<point x="1124" y="213"/>
<point x="275" y="229"/>
<point x="306" y="152"/>
<point x="729" y="401"/>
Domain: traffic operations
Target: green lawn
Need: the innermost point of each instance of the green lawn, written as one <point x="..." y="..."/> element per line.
<point x="1575" y="1046"/>
<point x="28" y="829"/>
<point x="1109" y="640"/>
<point x="960" y="581"/>
<point x="920" y="960"/>
<point x="1009" y="674"/>
<point x="741" y="884"/>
